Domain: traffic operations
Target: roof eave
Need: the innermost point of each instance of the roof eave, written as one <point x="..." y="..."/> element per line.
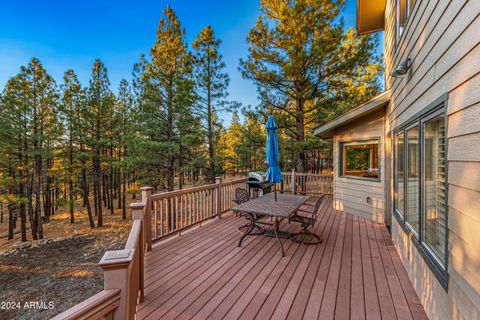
<point x="326" y="130"/>
<point x="370" y="16"/>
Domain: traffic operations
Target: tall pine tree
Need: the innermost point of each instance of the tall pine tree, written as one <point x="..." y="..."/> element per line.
<point x="298" y="54"/>
<point x="211" y="86"/>
<point x="167" y="89"/>
<point x="98" y="114"/>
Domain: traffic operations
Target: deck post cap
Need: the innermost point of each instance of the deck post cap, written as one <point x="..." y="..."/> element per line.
<point x="116" y="259"/>
<point x="137" y="205"/>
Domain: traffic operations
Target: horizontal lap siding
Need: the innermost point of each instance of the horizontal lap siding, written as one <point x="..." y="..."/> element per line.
<point x="435" y="300"/>
<point x="350" y="194"/>
<point x="443" y="40"/>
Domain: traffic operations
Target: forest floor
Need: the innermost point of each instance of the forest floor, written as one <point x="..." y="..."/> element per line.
<point x="61" y="270"/>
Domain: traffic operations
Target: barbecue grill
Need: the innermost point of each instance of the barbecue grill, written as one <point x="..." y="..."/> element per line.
<point x="257" y="185"/>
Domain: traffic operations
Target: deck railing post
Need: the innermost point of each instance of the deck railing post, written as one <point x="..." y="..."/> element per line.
<point x="292" y="181"/>
<point x="218" y="181"/>
<point x="147" y="200"/>
<point x="115" y="265"/>
<point x="138" y="213"/>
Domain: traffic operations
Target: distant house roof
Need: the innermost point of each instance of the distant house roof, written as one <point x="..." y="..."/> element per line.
<point x="370" y="16"/>
<point x="326" y="130"/>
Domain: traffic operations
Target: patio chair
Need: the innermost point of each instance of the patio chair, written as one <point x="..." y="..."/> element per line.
<point x="307" y="219"/>
<point x="242" y="196"/>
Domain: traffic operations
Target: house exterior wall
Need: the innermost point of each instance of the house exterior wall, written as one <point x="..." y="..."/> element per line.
<point x="442" y="39"/>
<point x="350" y="194"/>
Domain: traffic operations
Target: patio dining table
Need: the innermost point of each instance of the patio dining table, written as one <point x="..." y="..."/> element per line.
<point x="283" y="207"/>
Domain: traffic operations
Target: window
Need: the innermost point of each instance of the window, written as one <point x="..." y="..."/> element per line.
<point x="420" y="183"/>
<point x="404" y="8"/>
<point x="399" y="186"/>
<point x="434" y="223"/>
<point x="360" y="159"/>
<point x="413" y="178"/>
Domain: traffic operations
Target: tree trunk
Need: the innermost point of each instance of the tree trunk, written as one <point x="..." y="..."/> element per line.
<point x="31" y="218"/>
<point x="97" y="189"/>
<point x="124" y="197"/>
<point x="119" y="186"/>
<point x="47" y="192"/>
<point x="170" y="133"/>
<point x="211" y="149"/>
<point x="86" y="200"/>
<point x="85" y="191"/>
<point x="300" y="123"/>
<point x="111" y="185"/>
<point x="23" y="218"/>
<point x="70" y="177"/>
<point x="37" y="213"/>
<point x="11" y="225"/>
<point x="10" y="221"/>
<point x="23" y="194"/>
<point x="124" y="184"/>
<point x="104" y="189"/>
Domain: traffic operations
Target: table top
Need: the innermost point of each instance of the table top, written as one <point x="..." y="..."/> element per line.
<point x="285" y="205"/>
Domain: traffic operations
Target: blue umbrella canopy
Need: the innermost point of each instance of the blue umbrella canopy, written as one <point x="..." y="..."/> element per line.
<point x="273" y="174"/>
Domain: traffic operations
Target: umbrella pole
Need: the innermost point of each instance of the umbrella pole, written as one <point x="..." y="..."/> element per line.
<point x="275" y="191"/>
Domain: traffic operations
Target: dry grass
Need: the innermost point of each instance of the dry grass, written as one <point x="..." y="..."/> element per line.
<point x="59" y="226"/>
<point x="63" y="271"/>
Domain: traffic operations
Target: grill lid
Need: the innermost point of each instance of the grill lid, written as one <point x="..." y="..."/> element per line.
<point x="256" y="176"/>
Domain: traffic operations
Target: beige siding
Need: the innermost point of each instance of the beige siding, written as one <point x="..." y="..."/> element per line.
<point x="442" y="39"/>
<point x="351" y="194"/>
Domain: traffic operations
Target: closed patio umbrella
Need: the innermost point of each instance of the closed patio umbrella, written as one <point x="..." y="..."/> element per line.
<point x="273" y="174"/>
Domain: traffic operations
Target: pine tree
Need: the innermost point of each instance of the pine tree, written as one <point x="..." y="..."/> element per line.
<point x="298" y="54"/>
<point x="14" y="156"/>
<point x="30" y="103"/>
<point x="232" y="140"/>
<point x="41" y="97"/>
<point x="211" y="86"/>
<point x="98" y="114"/>
<point x="72" y="98"/>
<point x="166" y="86"/>
<point x="124" y="118"/>
<point x="251" y="151"/>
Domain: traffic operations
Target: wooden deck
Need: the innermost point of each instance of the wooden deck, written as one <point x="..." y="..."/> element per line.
<point x="354" y="274"/>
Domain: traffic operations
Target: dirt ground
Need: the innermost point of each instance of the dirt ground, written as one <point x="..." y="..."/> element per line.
<point x="40" y="279"/>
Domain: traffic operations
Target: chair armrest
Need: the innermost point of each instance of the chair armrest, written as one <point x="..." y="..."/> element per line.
<point x="309" y="204"/>
<point x="301" y="210"/>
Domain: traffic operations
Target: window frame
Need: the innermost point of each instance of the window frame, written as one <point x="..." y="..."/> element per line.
<point x="430" y="116"/>
<point x="406" y="174"/>
<point x="341" y="158"/>
<point x="395" y="178"/>
<point x="408" y="13"/>
<point x="436" y="265"/>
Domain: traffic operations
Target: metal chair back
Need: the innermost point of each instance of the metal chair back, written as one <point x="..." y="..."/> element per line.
<point x="316" y="210"/>
<point x="241" y="195"/>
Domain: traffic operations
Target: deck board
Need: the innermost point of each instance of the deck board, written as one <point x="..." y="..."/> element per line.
<point x="355" y="273"/>
<point x="357" y="300"/>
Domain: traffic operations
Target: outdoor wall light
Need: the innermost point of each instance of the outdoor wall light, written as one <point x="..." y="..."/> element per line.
<point x="402" y="69"/>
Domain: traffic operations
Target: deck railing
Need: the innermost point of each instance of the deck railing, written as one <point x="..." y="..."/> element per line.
<point x="306" y="183"/>
<point x="179" y="210"/>
<point x="171" y="213"/>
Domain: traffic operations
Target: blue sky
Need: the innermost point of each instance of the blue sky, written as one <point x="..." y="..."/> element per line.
<point x="71" y="34"/>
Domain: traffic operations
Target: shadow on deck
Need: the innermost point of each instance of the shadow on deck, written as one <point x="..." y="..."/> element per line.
<point x="354" y="274"/>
